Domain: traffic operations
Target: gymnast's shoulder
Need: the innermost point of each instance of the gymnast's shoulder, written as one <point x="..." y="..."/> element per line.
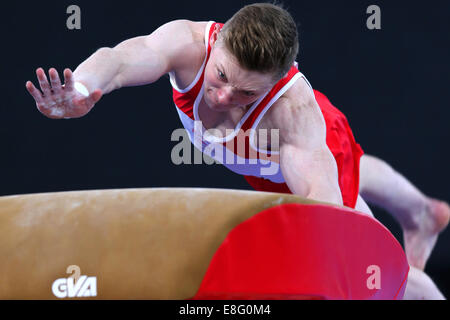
<point x="182" y="41"/>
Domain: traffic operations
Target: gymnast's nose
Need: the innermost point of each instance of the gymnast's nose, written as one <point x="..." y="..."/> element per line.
<point x="224" y="95"/>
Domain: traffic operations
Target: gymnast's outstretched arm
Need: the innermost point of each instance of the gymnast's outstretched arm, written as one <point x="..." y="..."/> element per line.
<point x="136" y="61"/>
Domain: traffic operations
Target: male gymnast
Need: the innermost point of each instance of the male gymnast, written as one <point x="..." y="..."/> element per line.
<point x="241" y="77"/>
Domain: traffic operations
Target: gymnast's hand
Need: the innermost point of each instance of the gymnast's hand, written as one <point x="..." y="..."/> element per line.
<point x="69" y="100"/>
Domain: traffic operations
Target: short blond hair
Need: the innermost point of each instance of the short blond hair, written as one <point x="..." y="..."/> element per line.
<point x="262" y="37"/>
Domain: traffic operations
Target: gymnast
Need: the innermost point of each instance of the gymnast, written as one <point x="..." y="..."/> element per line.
<point x="242" y="77"/>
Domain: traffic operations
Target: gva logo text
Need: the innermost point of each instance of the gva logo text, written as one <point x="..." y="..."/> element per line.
<point x="75" y="285"/>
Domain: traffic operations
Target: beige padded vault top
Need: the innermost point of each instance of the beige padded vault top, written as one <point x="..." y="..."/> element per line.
<point x="138" y="243"/>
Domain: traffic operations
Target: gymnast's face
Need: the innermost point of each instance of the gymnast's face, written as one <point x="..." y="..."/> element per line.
<point x="228" y="86"/>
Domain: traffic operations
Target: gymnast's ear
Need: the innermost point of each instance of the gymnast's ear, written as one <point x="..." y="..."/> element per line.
<point x="214" y="35"/>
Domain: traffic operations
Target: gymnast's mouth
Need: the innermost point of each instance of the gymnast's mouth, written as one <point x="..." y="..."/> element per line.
<point x="211" y="102"/>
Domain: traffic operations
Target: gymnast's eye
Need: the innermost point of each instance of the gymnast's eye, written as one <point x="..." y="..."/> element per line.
<point x="248" y="93"/>
<point x="221" y="75"/>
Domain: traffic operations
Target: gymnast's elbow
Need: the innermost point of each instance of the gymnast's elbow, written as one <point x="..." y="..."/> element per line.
<point x="315" y="187"/>
<point x="325" y="193"/>
<point x="311" y="174"/>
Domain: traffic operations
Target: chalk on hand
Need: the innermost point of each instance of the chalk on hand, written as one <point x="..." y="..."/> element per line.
<point x="81" y="89"/>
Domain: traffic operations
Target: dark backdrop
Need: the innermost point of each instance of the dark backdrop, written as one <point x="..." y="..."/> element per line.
<point x="392" y="84"/>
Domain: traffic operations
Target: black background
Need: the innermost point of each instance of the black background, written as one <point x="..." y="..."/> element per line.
<point x="392" y="84"/>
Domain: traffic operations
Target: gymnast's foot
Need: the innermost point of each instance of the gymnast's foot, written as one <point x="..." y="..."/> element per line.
<point x="420" y="239"/>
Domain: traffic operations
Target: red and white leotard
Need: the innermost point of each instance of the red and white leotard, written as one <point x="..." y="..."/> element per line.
<point x="238" y="152"/>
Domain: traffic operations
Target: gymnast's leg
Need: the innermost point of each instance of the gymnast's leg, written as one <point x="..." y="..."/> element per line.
<point x="421" y="218"/>
<point x="419" y="285"/>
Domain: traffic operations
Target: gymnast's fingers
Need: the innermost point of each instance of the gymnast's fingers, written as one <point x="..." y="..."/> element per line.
<point x="45" y="86"/>
<point x="55" y="81"/>
<point x="35" y="93"/>
<point x="68" y="79"/>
